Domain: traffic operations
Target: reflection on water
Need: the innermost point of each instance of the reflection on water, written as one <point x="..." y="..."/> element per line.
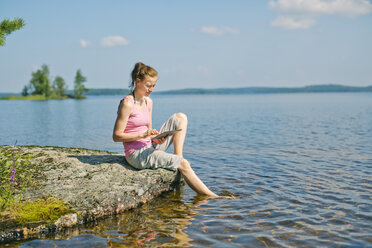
<point x="161" y="222"/>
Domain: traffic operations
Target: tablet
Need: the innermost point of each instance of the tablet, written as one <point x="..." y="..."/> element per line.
<point x="167" y="133"/>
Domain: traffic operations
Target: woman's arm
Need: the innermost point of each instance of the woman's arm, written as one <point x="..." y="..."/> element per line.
<point x="125" y="110"/>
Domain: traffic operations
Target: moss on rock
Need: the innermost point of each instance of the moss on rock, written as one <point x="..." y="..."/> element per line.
<point x="45" y="210"/>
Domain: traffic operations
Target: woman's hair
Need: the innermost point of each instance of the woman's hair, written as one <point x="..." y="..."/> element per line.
<point x="140" y="71"/>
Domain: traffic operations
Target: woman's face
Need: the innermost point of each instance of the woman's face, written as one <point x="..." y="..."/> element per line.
<point x="147" y="85"/>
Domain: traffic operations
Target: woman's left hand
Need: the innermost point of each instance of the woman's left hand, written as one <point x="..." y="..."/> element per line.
<point x="161" y="140"/>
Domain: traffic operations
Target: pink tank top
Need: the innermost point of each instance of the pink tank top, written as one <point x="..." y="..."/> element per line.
<point x="138" y="122"/>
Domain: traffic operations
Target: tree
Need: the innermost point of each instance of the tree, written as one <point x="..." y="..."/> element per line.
<point x="40" y="82"/>
<point x="25" y="91"/>
<point x="7" y="27"/>
<point x="79" y="87"/>
<point x="59" y="86"/>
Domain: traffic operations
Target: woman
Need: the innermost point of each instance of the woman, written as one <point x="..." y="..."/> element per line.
<point x="133" y="127"/>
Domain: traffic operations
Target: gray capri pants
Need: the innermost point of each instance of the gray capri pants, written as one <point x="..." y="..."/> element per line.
<point x="154" y="155"/>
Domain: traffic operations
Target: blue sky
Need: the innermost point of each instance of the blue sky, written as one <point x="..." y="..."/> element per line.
<point x="203" y="44"/>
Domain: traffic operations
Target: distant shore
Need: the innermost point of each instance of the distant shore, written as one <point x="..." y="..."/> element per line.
<point x="35" y="97"/>
<point x="325" y="88"/>
<point x="273" y="90"/>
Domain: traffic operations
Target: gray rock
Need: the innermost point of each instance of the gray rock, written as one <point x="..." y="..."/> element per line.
<point x="95" y="183"/>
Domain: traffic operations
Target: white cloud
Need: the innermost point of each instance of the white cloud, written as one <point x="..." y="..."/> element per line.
<point x="342" y="7"/>
<point x="84" y="43"/>
<point x="112" y="41"/>
<point x="292" y="23"/>
<point x="300" y="14"/>
<point x="212" y="30"/>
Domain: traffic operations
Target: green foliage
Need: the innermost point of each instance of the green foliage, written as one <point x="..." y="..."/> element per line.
<point x="59" y="86"/>
<point x="45" y="210"/>
<point x="40" y="87"/>
<point x="7" y="27"/>
<point x="40" y="82"/>
<point x="25" y="91"/>
<point x="79" y="87"/>
<point x="14" y="177"/>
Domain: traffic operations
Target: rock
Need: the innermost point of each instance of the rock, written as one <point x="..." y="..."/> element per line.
<point x="68" y="220"/>
<point x="94" y="183"/>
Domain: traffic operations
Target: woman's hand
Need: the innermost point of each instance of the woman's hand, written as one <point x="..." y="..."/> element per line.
<point x="161" y="140"/>
<point x="158" y="141"/>
<point x="150" y="132"/>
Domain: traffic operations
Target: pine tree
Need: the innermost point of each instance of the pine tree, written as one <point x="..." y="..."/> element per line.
<point x="79" y="87"/>
<point x="7" y="27"/>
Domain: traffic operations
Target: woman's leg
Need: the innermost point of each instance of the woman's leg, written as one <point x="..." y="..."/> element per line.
<point x="187" y="172"/>
<point x="179" y="137"/>
<point x="193" y="180"/>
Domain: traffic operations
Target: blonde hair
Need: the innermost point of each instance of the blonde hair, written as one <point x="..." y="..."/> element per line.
<point x="140" y="71"/>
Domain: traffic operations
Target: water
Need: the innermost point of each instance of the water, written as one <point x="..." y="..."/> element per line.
<point x="302" y="164"/>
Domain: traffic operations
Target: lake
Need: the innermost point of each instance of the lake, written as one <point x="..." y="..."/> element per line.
<point x="301" y="164"/>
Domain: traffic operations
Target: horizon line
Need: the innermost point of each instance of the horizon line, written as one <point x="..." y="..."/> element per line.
<point x="228" y="88"/>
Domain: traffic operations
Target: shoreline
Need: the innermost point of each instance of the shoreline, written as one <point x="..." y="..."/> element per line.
<point x="37" y="97"/>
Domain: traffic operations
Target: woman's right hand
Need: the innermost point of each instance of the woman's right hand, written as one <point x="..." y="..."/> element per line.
<point x="150" y="132"/>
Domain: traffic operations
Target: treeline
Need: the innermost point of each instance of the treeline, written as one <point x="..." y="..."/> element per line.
<point x="272" y="90"/>
<point x="42" y="85"/>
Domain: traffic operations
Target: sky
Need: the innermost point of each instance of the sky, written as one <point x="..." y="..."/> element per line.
<point x="192" y="44"/>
